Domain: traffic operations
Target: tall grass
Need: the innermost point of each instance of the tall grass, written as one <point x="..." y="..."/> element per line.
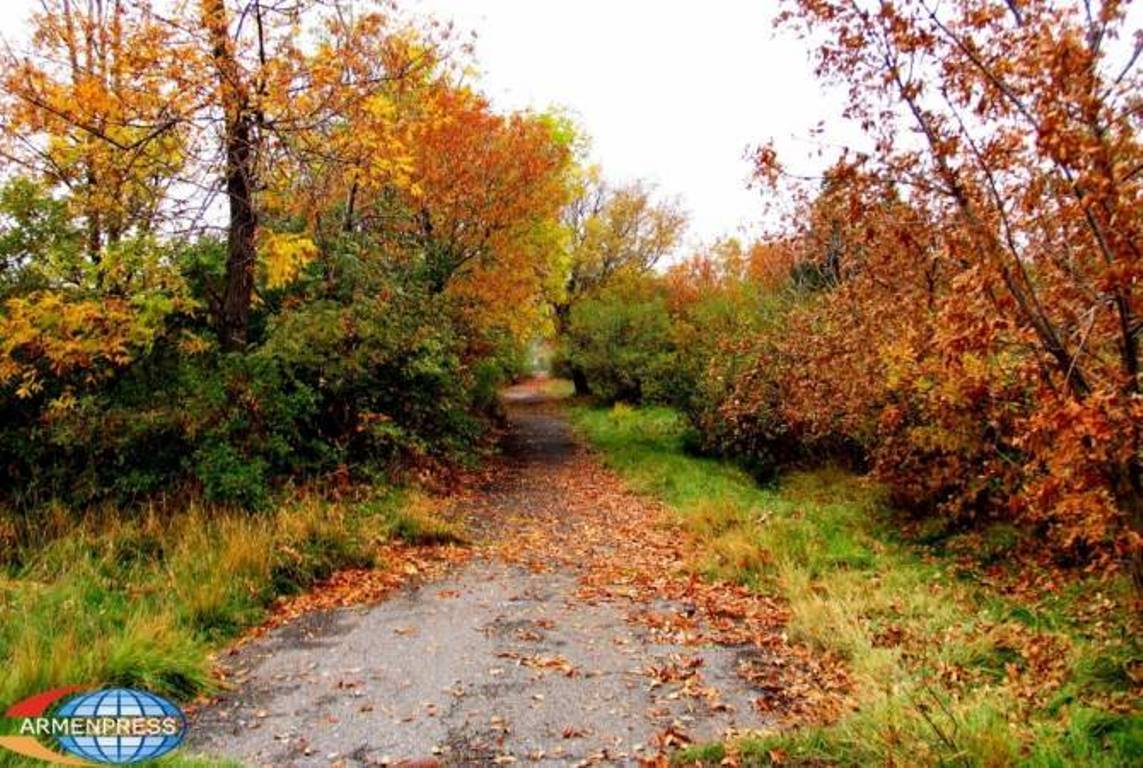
<point x="141" y="599"/>
<point x="948" y="670"/>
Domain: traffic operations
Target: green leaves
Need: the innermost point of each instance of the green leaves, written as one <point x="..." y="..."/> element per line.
<point x="622" y="342"/>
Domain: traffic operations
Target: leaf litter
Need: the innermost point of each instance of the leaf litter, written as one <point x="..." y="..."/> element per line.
<point x="626" y="550"/>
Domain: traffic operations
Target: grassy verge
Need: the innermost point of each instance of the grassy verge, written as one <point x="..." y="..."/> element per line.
<point x="962" y="653"/>
<point x="558" y="389"/>
<point x="141" y="600"/>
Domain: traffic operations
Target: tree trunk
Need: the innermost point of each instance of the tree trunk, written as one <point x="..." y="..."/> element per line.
<point x="238" y="291"/>
<point x="94" y="221"/>
<point x="579" y="378"/>
<point x="234" y="309"/>
<point x="350" y="204"/>
<point x="1128" y="487"/>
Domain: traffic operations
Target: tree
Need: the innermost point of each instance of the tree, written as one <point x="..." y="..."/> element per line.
<point x="386" y="231"/>
<point x="1012" y="129"/>
<point x="287" y="108"/>
<point x="613" y="232"/>
<point x="236" y="93"/>
<point x="479" y="180"/>
<point x="95" y="109"/>
<point x="618" y="230"/>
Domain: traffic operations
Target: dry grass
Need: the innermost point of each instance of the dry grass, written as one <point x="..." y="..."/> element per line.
<point x="949" y="669"/>
<point x="140" y="599"/>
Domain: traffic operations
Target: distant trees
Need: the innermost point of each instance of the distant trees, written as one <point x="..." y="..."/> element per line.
<point x="614" y="233"/>
<point x="619" y="229"/>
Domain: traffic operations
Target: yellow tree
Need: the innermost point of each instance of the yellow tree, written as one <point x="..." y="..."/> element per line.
<point x="613" y="232"/>
<point x="320" y="113"/>
<point x="619" y="229"/>
<point x="95" y="107"/>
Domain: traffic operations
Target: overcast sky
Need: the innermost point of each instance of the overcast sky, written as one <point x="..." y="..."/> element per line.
<point x="671" y="91"/>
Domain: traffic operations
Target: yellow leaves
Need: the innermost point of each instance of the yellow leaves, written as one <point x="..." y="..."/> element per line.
<point x="897" y="358"/>
<point x="52" y="338"/>
<point x="107" y="123"/>
<point x="28" y="387"/>
<point x="62" y="404"/>
<point x="284" y="255"/>
<point x="380" y="107"/>
<point x="46" y="334"/>
<point x="193" y="344"/>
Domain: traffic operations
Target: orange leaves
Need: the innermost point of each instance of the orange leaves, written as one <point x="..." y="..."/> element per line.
<point x="399" y="565"/>
<point x="477" y="173"/>
<point x="969" y="309"/>
<point x="481" y="182"/>
<point x="672" y="738"/>
<point x="628" y="550"/>
<point x="486" y="192"/>
<point x="543" y="663"/>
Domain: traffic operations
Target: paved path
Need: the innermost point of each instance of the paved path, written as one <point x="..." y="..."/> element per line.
<point x="508" y="659"/>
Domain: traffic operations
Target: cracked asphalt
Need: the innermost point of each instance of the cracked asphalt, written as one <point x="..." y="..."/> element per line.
<point x="493" y="664"/>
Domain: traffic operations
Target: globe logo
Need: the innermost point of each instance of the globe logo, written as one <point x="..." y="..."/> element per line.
<point x="120" y="726"/>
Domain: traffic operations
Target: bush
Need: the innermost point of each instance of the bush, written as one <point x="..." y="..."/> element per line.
<point x="229" y="477"/>
<point x="81" y="414"/>
<point x="387" y="375"/>
<point x="621" y="341"/>
<point x="110" y="399"/>
<point x="893" y="362"/>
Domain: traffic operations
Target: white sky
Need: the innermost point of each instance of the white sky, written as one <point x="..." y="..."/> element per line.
<point x="670" y="91"/>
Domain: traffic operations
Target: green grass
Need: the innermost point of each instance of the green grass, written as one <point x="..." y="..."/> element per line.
<point x="175" y="760"/>
<point x="142" y="600"/>
<point x="947" y="670"/>
<point x="558" y="389"/>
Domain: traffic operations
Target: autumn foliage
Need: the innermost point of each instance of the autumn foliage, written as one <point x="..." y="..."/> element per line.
<point x="244" y="242"/>
<point x="962" y="310"/>
<point x="955" y="308"/>
<point x="250" y="241"/>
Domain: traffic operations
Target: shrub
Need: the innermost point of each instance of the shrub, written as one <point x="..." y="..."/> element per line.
<point x="387" y="376"/>
<point x="621" y="340"/>
<point x="116" y="398"/>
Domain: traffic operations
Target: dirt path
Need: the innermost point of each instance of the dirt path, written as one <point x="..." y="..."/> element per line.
<point x="571" y="637"/>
